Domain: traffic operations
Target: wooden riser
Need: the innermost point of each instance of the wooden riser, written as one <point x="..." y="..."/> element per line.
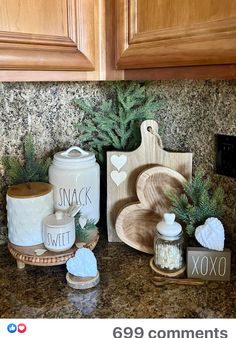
<point x="26" y="254"/>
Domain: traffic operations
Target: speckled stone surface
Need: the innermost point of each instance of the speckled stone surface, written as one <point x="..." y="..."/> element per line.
<point x="125" y="291"/>
<point x="193" y="113"/>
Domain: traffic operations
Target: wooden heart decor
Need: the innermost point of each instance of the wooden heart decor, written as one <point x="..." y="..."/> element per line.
<point x="123" y="169"/>
<point x="135" y="224"/>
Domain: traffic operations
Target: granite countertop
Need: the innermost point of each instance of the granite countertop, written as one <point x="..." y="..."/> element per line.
<point x="125" y="291"/>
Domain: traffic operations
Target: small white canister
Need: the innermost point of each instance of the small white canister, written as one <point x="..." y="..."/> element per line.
<point x="58" y="232"/>
<point x="75" y="176"/>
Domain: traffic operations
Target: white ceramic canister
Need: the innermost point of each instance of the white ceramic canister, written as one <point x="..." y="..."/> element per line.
<point x="75" y="176"/>
<point x="27" y="205"/>
<point x="58" y="231"/>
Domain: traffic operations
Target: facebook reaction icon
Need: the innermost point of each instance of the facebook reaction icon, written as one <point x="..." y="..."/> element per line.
<point x="21" y="328"/>
<point x="11" y="328"/>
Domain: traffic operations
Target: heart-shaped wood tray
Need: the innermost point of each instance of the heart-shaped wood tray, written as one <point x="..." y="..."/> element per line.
<point x="136" y="222"/>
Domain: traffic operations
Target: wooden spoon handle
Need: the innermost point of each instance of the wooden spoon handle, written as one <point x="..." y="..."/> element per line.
<point x="160" y="281"/>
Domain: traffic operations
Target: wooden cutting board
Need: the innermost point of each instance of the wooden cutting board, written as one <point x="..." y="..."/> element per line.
<point x="136" y="223"/>
<point x="123" y="169"/>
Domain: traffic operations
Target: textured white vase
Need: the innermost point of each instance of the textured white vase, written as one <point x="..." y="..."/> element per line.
<point x="25" y="213"/>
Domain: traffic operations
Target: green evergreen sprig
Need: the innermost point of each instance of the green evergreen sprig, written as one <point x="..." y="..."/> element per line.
<point x="198" y="202"/>
<point x="31" y="170"/>
<point x="115" y="123"/>
<point x="83" y="233"/>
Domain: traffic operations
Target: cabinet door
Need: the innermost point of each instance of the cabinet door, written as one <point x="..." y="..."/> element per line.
<point x="163" y="33"/>
<point x="47" y="34"/>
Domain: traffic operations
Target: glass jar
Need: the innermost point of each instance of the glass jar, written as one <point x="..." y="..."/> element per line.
<point x="169" y="245"/>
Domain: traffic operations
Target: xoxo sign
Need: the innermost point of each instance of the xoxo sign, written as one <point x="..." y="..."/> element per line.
<point x="208" y="264"/>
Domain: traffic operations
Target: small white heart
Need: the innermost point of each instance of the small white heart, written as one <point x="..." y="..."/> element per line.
<point x="40" y="252"/>
<point x="83" y="264"/>
<point x="82" y="221"/>
<point x="118" y="161"/>
<point x="118" y="177"/>
<point x="211" y="234"/>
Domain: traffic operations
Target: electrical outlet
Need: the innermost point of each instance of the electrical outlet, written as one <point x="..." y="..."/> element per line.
<point x="226" y="155"/>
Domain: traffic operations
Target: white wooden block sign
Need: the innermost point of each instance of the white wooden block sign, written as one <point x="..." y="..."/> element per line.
<point x="208" y="264"/>
<point x="123" y="169"/>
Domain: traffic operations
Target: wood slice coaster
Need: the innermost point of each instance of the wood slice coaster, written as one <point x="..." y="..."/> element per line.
<point x="179" y="274"/>
<point x="82" y="283"/>
<point x="26" y="254"/>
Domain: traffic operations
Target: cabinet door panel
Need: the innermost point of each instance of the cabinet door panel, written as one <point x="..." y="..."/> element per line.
<point x="161" y="14"/>
<point x="160" y="33"/>
<point x="47" y="35"/>
<point x="34" y="16"/>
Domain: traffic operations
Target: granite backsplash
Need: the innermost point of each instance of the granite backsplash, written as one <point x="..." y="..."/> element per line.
<point x="195" y="111"/>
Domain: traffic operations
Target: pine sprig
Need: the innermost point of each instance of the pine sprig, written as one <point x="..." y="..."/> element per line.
<point x="198" y="202"/>
<point x="114" y="124"/>
<point x="82" y="234"/>
<point x="31" y="170"/>
<point x="13" y="169"/>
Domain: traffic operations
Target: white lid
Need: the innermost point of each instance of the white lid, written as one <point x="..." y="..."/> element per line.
<point x="168" y="227"/>
<point x="74" y="156"/>
<point x="58" y="219"/>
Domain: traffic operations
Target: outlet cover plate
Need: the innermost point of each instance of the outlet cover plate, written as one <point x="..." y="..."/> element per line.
<point x="226" y="155"/>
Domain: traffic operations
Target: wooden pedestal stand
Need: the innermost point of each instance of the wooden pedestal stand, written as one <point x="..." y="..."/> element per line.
<point x="26" y="254"/>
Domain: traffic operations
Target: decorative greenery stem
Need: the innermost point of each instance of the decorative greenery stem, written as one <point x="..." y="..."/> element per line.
<point x="31" y="170"/>
<point x="198" y="202"/>
<point x="114" y="123"/>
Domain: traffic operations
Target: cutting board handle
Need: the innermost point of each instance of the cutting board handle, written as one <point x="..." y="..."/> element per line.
<point x="149" y="134"/>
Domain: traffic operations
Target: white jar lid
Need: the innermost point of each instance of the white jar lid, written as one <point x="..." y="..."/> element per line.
<point x="168" y="227"/>
<point x="59" y="219"/>
<point x="74" y="156"/>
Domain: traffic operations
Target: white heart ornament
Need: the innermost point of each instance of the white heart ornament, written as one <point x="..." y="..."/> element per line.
<point x="40" y="252"/>
<point x="118" y="177"/>
<point x="211" y="234"/>
<point x="118" y="161"/>
<point x="84" y="264"/>
<point x="82" y="221"/>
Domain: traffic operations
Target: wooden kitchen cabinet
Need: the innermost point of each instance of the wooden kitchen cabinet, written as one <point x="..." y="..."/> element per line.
<point x="50" y="39"/>
<point x="72" y="40"/>
<point x="167" y="33"/>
